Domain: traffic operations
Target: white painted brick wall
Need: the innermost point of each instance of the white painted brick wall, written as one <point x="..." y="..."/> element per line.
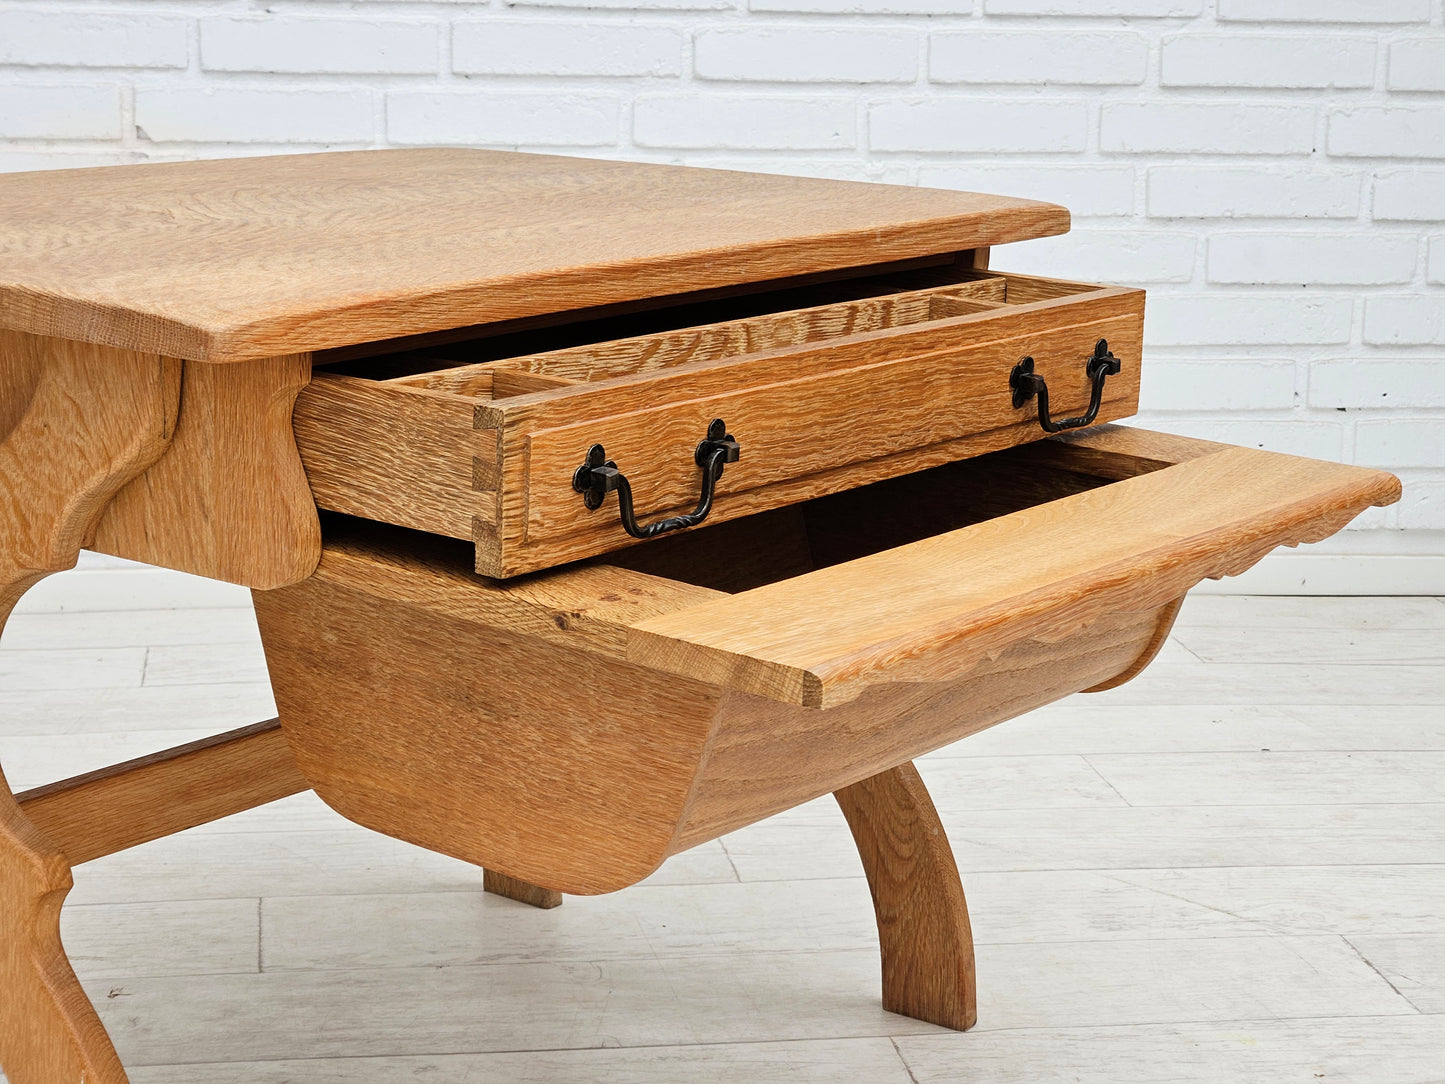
<point x="974" y="56"/>
<point x="1396" y="131"/>
<point x="1418" y="65"/>
<point x="550" y="47"/>
<point x="971" y="125"/>
<point x="1268" y="60"/>
<point x="1211" y="192"/>
<point x="1325" y="11"/>
<point x="1414" y="194"/>
<point x="1153" y="127"/>
<point x="1293" y="259"/>
<point x="1272" y="170"/>
<point x="811" y="55"/>
<point x="80" y="39"/>
<point x="320" y="46"/>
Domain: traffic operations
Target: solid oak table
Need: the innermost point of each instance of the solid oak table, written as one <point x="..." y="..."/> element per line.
<point x="459" y="357"/>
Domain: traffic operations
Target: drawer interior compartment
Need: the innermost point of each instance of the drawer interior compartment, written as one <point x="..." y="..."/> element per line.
<point x="584" y="350"/>
<point x="576" y="726"/>
<point x="869" y="378"/>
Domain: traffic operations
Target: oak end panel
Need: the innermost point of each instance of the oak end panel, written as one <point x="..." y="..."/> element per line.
<point x="539" y="759"/>
<point x="229" y="500"/>
<point x="767" y="756"/>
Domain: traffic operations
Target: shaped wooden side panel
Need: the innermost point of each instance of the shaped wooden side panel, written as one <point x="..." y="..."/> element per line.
<point x="95" y="417"/>
<point x="229" y="500"/>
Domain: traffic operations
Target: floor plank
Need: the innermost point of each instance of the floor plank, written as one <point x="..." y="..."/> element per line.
<point x="736" y="998"/>
<point x="72" y="668"/>
<point x="1083" y="725"/>
<point x="821" y="1061"/>
<point x="806" y="844"/>
<point x="1267" y="778"/>
<point x="31" y="761"/>
<point x="463" y="928"/>
<point x="1345" y="647"/>
<point x="1168" y="684"/>
<point x="1304" y="612"/>
<point x="1413" y="963"/>
<point x="71" y="712"/>
<point x="205" y="664"/>
<point x="95" y="590"/>
<point x="346" y="859"/>
<point x="1342" y="1050"/>
<point x="144" y="628"/>
<point x="188" y="937"/>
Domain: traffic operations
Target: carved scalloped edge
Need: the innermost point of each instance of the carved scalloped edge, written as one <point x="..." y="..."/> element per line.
<point x="1132" y="591"/>
<point x="1316" y="530"/>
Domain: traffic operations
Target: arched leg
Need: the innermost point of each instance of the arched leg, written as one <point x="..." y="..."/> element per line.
<point x="49" y="1032"/>
<point x="95" y="418"/>
<point x="923" y="930"/>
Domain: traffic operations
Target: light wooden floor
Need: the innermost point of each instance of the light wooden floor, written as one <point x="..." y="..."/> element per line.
<point x="1232" y="869"/>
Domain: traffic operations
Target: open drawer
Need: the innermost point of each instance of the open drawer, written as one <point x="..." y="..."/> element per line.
<point x="575" y="727"/>
<point x="824" y="386"/>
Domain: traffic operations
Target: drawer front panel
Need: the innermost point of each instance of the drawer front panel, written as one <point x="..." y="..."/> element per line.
<point x="820" y="425"/>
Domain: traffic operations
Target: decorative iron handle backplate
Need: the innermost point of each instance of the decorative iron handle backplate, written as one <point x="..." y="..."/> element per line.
<point x="1026" y="384"/>
<point x="599" y="476"/>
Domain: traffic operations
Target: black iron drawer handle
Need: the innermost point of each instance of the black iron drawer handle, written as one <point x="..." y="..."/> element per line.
<point x="1026" y="384"/>
<point x="599" y="476"/>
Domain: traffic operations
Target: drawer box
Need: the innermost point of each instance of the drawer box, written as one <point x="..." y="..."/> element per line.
<point x="825" y="387"/>
<point x="576" y="727"/>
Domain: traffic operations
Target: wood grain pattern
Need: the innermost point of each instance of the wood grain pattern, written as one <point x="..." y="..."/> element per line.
<point x="1136" y="544"/>
<point x="923" y="930"/>
<point x="467" y="337"/>
<point x="732" y="338"/>
<point x="493" y="380"/>
<point x="399" y="454"/>
<point x="20" y="370"/>
<point x="588" y="607"/>
<point x="813" y="417"/>
<point x="766" y="757"/>
<point x="229" y="498"/>
<point x="255" y="257"/>
<point x="125" y="805"/>
<point x="452" y="728"/>
<point x="822" y="423"/>
<point x="94" y="419"/>
<point x="1023" y="628"/>
<point x="1167" y="614"/>
<point x="499" y="884"/>
<point x="49" y="1031"/>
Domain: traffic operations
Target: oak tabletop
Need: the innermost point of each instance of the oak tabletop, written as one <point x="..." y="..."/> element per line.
<point x="242" y="258"/>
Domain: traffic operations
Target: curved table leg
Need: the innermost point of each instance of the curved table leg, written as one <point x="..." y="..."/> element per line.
<point x="923" y="930"/>
<point x="95" y="418"/>
<point x="49" y="1031"/>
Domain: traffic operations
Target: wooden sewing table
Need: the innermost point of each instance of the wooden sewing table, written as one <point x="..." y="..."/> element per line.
<point x="466" y="360"/>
